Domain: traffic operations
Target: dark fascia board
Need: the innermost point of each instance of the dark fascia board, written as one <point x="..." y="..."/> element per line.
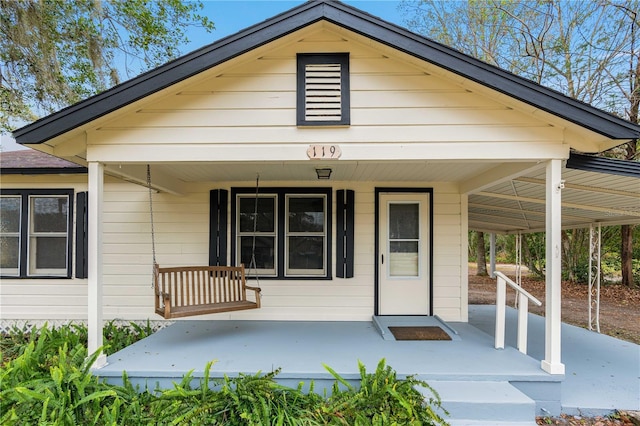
<point x="351" y="19"/>
<point x="44" y="171"/>
<point x="611" y="166"/>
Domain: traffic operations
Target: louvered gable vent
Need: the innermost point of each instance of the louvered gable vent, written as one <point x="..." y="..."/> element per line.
<point x="323" y="89"/>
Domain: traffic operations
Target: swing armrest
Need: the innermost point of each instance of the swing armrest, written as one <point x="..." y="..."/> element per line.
<point x="257" y="290"/>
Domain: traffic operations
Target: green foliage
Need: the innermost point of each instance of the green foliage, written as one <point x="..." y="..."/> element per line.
<point x="49" y="382"/>
<point x="57" y="52"/>
<point x="119" y="336"/>
<point x="381" y="399"/>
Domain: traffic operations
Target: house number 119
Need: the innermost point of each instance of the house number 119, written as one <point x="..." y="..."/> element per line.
<point x="319" y="152"/>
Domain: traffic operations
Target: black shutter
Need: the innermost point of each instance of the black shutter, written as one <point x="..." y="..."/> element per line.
<point x="345" y="233"/>
<point x="82" y="243"/>
<point x="218" y="227"/>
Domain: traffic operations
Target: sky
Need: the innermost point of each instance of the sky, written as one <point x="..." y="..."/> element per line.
<point x="231" y="16"/>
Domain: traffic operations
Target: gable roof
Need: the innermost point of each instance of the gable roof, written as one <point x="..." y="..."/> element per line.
<point x="351" y="19"/>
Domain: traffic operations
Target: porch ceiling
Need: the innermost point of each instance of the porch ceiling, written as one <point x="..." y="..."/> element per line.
<point x="405" y="171"/>
<point x="518" y="205"/>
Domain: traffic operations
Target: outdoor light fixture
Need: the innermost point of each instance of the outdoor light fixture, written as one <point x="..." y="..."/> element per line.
<point x="323" y="173"/>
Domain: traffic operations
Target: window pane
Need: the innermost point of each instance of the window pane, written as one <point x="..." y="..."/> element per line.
<point x="306" y="252"/>
<point x="404" y="221"/>
<point x="9" y="252"/>
<point x="266" y="214"/>
<point x="265" y="250"/>
<point x="306" y="214"/>
<point x="49" y="214"/>
<point x="9" y="214"/>
<point x="404" y="259"/>
<point x="48" y="253"/>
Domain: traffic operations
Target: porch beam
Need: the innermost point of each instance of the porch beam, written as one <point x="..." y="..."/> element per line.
<point x="488" y="207"/>
<point x="496" y="175"/>
<point x="94" y="279"/>
<point x="618" y="192"/>
<point x="352" y="150"/>
<point x="552" y="363"/>
<point x="137" y="173"/>
<point x="609" y="210"/>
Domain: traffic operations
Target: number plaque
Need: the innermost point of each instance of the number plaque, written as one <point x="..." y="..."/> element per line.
<point x="324" y="152"/>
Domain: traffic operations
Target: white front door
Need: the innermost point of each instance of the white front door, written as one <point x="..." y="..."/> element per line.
<point x="403" y="258"/>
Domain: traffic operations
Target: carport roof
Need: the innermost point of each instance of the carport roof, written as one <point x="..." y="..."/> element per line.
<point x="596" y="190"/>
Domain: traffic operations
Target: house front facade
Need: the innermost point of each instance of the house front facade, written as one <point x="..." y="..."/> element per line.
<point x="335" y="150"/>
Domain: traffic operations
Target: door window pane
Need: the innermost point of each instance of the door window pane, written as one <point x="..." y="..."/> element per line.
<point x="404" y="221"/>
<point x="403" y="260"/>
<point x="404" y="239"/>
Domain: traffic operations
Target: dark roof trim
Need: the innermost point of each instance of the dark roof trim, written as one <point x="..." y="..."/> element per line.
<point x="353" y="20"/>
<point x="610" y="166"/>
<point x="44" y="171"/>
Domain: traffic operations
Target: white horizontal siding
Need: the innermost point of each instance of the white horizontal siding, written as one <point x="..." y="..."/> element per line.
<point x="182" y="239"/>
<point x="34" y="298"/>
<point x="254" y="102"/>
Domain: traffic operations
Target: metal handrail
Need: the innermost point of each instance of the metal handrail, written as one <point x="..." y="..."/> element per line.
<point x="523" y="311"/>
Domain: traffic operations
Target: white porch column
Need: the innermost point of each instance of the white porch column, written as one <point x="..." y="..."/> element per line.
<point x="94" y="296"/>
<point x="492" y="255"/>
<point x="552" y="361"/>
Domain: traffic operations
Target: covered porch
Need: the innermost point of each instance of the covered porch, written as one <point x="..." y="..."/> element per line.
<point x="481" y="384"/>
<point x="474" y="380"/>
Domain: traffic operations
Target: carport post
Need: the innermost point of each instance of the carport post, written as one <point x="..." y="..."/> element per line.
<point x="492" y="255"/>
<point x="94" y="281"/>
<point x="553" y="322"/>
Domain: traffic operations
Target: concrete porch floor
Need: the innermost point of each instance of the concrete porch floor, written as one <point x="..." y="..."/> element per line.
<point x="602" y="372"/>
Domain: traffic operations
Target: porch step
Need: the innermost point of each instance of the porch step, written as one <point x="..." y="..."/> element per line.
<point x="484" y="403"/>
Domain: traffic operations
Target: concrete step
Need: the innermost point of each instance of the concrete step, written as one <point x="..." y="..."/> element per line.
<point x="484" y="403"/>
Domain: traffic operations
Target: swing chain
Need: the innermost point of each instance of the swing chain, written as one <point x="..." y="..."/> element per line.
<point x="153" y="237"/>
<point x="252" y="264"/>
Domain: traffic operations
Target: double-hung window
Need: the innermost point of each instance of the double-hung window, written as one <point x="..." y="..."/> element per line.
<point x="35" y="233"/>
<point x="286" y="234"/>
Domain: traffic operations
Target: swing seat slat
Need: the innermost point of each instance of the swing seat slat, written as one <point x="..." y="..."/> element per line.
<point x="200" y="290"/>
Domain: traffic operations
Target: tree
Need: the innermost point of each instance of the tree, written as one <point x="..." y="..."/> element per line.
<point x="584" y="49"/>
<point x="481" y="256"/>
<point x="57" y="52"/>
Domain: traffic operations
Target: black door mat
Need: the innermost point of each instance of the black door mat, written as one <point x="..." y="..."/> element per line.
<point x="419" y="333"/>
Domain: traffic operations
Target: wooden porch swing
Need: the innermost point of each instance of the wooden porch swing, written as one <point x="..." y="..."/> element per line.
<point x="184" y="291"/>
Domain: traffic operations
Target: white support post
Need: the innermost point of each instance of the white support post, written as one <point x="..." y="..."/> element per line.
<point x="519" y="258"/>
<point x="523" y="322"/>
<point x="492" y="255"/>
<point x="518" y="271"/>
<point x="94" y="296"/>
<point x="595" y="242"/>
<point x="553" y="313"/>
<point x="501" y="299"/>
